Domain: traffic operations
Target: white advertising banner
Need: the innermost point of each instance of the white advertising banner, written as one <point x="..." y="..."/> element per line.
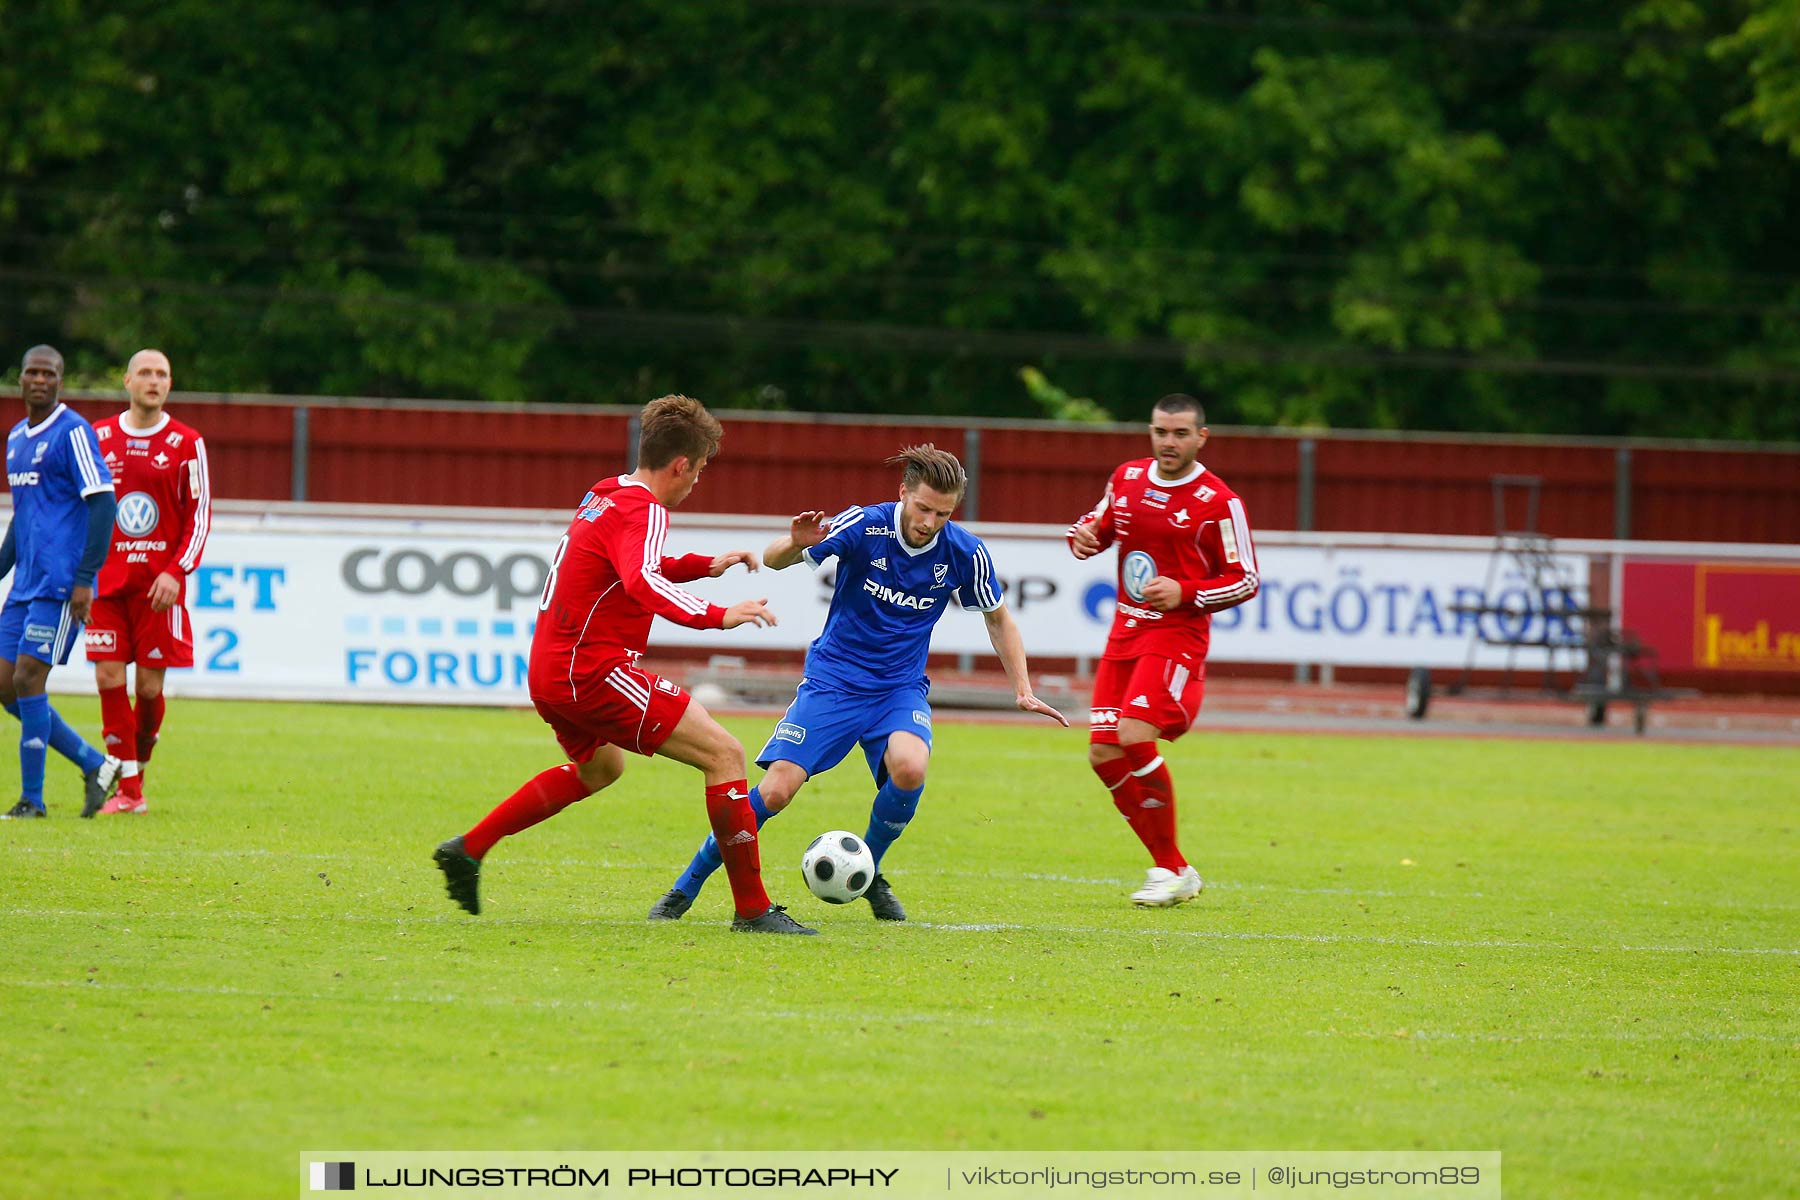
<point x="441" y="611"/>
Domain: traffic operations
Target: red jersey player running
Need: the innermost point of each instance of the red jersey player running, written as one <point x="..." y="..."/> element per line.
<point x="140" y="611"/>
<point x="1184" y="553"/>
<point x="608" y="577"/>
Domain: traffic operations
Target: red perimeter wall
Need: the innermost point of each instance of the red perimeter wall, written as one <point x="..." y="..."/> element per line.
<point x="546" y="456"/>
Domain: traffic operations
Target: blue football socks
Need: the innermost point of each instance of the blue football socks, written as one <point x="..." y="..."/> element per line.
<point x="888" y="816"/>
<point x="71" y="745"/>
<point x="709" y="859"/>
<point x="34" y="745"/>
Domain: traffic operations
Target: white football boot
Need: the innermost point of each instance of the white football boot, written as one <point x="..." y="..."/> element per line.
<point x="1162" y="887"/>
<point x="1187" y="885"/>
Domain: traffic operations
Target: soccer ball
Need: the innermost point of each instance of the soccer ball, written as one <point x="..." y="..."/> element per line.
<point x="838" y="867"/>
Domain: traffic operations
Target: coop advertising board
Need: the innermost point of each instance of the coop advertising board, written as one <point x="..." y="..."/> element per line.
<point x="435" y="611"/>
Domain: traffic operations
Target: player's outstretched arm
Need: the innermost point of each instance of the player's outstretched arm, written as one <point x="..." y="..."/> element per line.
<point x="730" y="559"/>
<point x="9" y="553"/>
<point x="1003" y="632"/>
<point x="749" y="612"/>
<point x="808" y="529"/>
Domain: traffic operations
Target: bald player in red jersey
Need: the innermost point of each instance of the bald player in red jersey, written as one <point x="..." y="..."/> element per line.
<point x="1184" y="554"/>
<point x="608" y="578"/>
<point x="140" y="612"/>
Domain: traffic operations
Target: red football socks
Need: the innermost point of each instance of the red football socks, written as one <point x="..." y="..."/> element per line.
<point x="1115" y="773"/>
<point x="734" y="826"/>
<point x="149" y="721"/>
<point x="119" y="724"/>
<point x="543" y="796"/>
<point x="1155" y="797"/>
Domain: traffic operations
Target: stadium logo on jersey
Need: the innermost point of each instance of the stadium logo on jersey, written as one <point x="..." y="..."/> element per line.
<point x="1204" y="493"/>
<point x="788" y="732"/>
<point x="898" y="598"/>
<point x="173" y="439"/>
<point x="880" y="564"/>
<point x="1134" y="472"/>
<point x="138" y="514"/>
<point x="104" y="432"/>
<point x="1139" y="569"/>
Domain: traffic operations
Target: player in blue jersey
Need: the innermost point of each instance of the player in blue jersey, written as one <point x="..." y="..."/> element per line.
<point x="899" y="567"/>
<point x="62" y="523"/>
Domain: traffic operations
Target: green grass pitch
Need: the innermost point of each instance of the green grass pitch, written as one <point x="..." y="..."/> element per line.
<point x="1583" y="955"/>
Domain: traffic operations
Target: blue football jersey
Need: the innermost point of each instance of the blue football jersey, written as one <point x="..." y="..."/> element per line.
<point x="888" y="596"/>
<point x="52" y="468"/>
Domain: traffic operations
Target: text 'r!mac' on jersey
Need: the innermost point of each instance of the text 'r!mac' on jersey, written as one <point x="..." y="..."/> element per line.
<point x="1193" y="530"/>
<point x="887" y="597"/>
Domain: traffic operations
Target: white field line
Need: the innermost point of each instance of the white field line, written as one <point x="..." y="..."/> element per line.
<point x="123" y="919"/>
<point x="1560" y="1035"/>
<point x="583" y="1003"/>
<point x="490" y="1001"/>
<point x="945" y="872"/>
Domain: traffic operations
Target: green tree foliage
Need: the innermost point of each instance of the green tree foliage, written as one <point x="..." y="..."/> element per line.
<point x="1462" y="214"/>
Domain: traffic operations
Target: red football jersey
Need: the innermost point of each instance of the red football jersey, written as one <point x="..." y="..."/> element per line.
<point x="165" y="503"/>
<point x="608" y="577"/>
<point x="1192" y="530"/>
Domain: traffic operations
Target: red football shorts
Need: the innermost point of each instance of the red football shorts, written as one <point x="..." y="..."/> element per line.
<point x="1162" y="691"/>
<point x="628" y="708"/>
<point x="123" y="629"/>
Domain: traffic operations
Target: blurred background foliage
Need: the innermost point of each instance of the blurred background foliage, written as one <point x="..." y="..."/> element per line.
<point x="1507" y="215"/>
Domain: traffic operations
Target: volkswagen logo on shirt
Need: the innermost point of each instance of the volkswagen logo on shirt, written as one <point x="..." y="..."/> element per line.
<point x="1139" y="570"/>
<point x="137" y="514"/>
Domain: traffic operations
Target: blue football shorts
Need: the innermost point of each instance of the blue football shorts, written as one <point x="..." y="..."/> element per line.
<point x="44" y="629"/>
<point x="823" y="722"/>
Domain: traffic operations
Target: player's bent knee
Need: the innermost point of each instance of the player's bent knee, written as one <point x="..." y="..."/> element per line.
<point x="29" y="677"/>
<point x="907" y="775"/>
<point x="1100" y="753"/>
<point x="725" y="755"/>
<point x="600" y="771"/>
<point x="780" y="784"/>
